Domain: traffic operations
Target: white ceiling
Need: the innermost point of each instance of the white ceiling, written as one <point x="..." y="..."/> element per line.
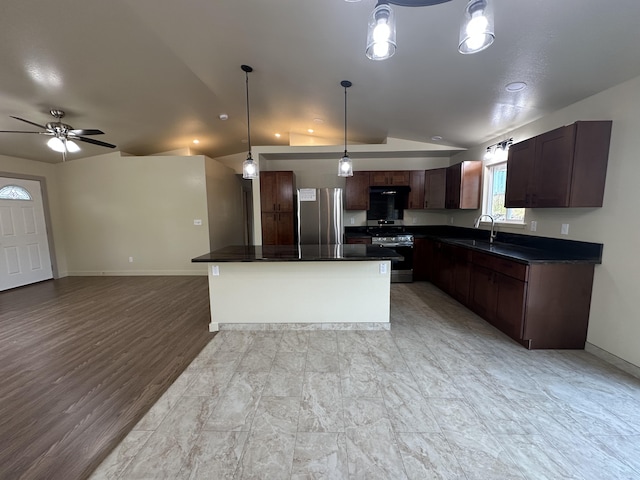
<point x="155" y="74"/>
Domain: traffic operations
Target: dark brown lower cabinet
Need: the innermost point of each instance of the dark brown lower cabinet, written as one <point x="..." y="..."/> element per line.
<point x="540" y="305"/>
<point x="422" y="259"/>
<point x="277" y="229"/>
<point x="358" y="240"/>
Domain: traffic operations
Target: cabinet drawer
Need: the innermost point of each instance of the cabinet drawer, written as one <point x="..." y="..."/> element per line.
<point x="501" y="265"/>
<point x="359" y="240"/>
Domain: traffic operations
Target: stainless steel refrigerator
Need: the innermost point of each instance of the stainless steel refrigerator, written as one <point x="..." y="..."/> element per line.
<point x="320" y="216"/>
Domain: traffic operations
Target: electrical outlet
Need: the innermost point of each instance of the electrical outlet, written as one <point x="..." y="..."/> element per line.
<point x="534" y="226"/>
<point x="383" y="268"/>
<point x="450" y="220"/>
<point x="352" y="221"/>
<point x="565" y="229"/>
<point x="130" y="259"/>
<point x="414" y="220"/>
<point x="215" y="270"/>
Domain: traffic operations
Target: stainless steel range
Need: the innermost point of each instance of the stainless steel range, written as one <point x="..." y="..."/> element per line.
<point x="392" y="235"/>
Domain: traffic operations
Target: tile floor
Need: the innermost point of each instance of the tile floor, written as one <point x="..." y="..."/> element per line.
<point x="442" y="395"/>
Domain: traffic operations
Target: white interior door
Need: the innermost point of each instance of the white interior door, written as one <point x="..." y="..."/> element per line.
<point x="24" y="247"/>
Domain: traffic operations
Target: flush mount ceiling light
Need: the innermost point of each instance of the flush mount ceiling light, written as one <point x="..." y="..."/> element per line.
<point x="249" y="166"/>
<point x="476" y="32"/>
<point x="515" y="87"/>
<point x="345" y="165"/>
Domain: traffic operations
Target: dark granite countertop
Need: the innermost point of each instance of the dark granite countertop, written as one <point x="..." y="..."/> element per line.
<point x="518" y="247"/>
<point x="298" y="253"/>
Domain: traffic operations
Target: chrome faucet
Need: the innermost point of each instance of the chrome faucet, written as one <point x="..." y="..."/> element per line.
<point x="492" y="235"/>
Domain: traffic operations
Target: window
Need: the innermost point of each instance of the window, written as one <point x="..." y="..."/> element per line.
<point x="14" y="192"/>
<point x="494" y="196"/>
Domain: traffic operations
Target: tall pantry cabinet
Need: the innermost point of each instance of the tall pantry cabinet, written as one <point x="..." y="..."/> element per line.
<point x="277" y="207"/>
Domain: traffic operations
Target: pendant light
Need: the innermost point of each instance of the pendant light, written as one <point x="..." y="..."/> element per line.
<point x="345" y="165"/>
<point x="381" y="33"/>
<point x="476" y="32"/>
<point x="249" y="166"/>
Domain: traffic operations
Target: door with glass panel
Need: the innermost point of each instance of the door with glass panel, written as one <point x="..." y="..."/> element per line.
<point x="24" y="246"/>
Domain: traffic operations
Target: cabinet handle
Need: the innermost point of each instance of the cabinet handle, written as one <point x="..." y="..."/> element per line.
<point x="274" y="207"/>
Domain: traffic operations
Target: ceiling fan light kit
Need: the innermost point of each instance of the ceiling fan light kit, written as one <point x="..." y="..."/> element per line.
<point x="476" y="32"/>
<point x="63" y="135"/>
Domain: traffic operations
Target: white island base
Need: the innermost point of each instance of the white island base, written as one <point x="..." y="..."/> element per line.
<point x="344" y="295"/>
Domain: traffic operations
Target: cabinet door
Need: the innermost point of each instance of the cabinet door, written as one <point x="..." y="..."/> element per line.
<point x="510" y="305"/>
<point x="553" y="168"/>
<point x="286" y="234"/>
<point x="454" y="179"/>
<point x="357" y="191"/>
<point x="268" y="191"/>
<point x="379" y="179"/>
<point x="483" y="294"/>
<point x="416" y="195"/>
<point x="461" y="275"/>
<point x="422" y="259"/>
<point x="443" y="267"/>
<point x="284" y="191"/>
<point x="270" y="228"/>
<point x="435" y="186"/>
<point x="519" y="172"/>
<point x="399" y="177"/>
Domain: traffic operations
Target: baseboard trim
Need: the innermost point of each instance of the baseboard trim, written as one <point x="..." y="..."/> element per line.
<point x="137" y="273"/>
<point x="614" y="360"/>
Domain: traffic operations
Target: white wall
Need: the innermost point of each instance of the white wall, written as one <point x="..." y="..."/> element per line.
<point x="142" y="207"/>
<point x="614" y="323"/>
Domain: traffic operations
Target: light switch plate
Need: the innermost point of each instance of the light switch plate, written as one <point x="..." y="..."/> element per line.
<point x="565" y="229"/>
<point x="383" y="268"/>
<point x="197" y="221"/>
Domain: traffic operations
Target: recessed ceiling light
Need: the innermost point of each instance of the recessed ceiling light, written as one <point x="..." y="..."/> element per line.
<point x="436" y="138"/>
<point x="223" y="117"/>
<point x="515" y="87"/>
<point x="277" y="135"/>
<point x="310" y="130"/>
<point x="196" y="141"/>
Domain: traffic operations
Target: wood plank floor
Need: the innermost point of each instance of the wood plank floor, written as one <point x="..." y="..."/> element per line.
<point x="82" y="359"/>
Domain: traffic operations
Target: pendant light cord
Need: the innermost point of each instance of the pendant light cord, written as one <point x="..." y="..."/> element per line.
<point x="345" y="120"/>
<point x="246" y="74"/>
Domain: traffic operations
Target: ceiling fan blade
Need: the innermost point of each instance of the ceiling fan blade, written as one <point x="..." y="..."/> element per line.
<point x="18" y="131"/>
<point x="30" y="123"/>
<point x="95" y="142"/>
<point x="91" y="131"/>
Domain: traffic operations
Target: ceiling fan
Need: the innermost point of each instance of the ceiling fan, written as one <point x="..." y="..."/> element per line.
<point x="63" y="136"/>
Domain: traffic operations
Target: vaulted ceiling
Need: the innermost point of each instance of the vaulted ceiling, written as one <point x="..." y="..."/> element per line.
<point x="156" y="74"/>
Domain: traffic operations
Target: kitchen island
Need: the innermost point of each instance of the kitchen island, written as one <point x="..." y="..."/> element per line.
<point x="274" y="287"/>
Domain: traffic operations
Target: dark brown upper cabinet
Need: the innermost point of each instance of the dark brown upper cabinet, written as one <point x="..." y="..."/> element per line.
<point x="416" y="195"/>
<point x="389" y="178"/>
<point x="463" y="185"/>
<point x="565" y="167"/>
<point x="357" y="192"/>
<point x="435" y="188"/>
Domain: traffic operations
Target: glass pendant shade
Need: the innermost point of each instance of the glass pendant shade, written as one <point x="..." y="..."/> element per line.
<point x="249" y="168"/>
<point x="381" y="34"/>
<point x="72" y="147"/>
<point x="345" y="166"/>
<point x="56" y="144"/>
<point x="476" y="32"/>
